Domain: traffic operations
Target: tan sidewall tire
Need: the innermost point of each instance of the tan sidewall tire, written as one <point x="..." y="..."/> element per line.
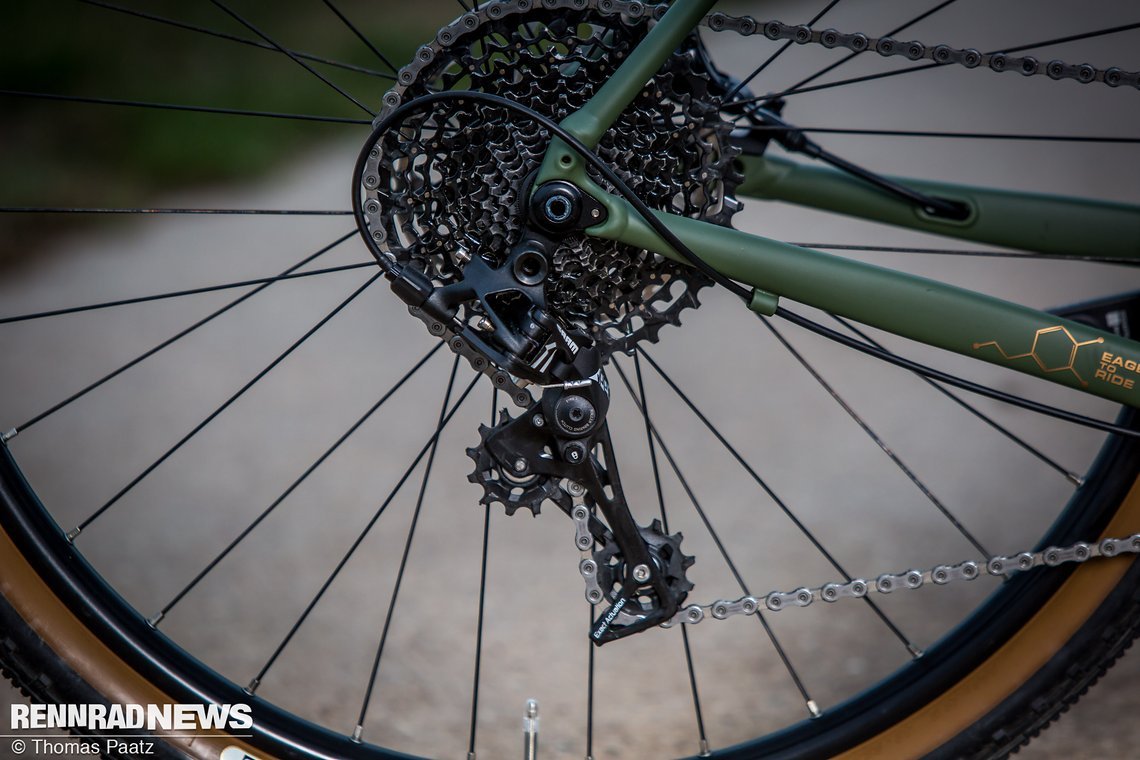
<point x="84" y="654"/>
<point x="1017" y="660"/>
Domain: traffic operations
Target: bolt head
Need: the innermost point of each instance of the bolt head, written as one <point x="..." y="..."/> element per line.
<point x="641" y="573"/>
<point x="520" y="465"/>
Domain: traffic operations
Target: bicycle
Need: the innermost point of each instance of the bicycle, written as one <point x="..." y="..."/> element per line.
<point x="509" y="192"/>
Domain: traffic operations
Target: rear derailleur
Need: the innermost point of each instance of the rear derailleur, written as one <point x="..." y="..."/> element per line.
<point x="559" y="448"/>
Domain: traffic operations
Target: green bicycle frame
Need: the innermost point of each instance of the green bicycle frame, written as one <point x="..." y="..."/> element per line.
<point x="959" y="320"/>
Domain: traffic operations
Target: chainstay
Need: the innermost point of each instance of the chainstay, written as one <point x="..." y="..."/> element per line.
<point x="909" y="580"/>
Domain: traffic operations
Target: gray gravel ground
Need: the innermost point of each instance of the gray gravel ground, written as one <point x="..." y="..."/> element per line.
<point x="157" y="537"/>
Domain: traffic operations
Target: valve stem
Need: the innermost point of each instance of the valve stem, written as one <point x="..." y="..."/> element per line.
<point x="530" y="730"/>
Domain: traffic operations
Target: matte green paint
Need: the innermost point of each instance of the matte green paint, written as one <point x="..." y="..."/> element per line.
<point x="940" y="315"/>
<point x="1028" y="221"/>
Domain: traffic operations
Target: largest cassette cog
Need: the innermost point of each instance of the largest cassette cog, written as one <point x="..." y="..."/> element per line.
<point x="452" y="182"/>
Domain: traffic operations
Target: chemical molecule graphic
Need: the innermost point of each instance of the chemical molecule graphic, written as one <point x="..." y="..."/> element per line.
<point x="1053" y="341"/>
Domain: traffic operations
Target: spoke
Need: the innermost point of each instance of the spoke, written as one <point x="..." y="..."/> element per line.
<point x="463" y="5"/>
<point x="190" y="292"/>
<point x="367" y="42"/>
<point x="358" y="541"/>
<point x="810" y="703"/>
<point x="953" y="380"/>
<point x="890" y="453"/>
<point x="773" y="128"/>
<point x="968" y="252"/>
<point x="178" y="336"/>
<point x="359" y="730"/>
<point x="225" y="405"/>
<point x="755" y="72"/>
<point x="235" y="38"/>
<point x="1070" y="476"/>
<point x="292" y="56"/>
<point x="644" y="406"/>
<point x="891" y="33"/>
<point x="180" y="107"/>
<point x="590" y="690"/>
<point x="292" y="487"/>
<point x="894" y="629"/>
<point x="927" y="66"/>
<point x="482" y="607"/>
<point x="222" y="211"/>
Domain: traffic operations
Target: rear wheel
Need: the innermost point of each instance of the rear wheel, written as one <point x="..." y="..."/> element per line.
<point x="217" y="576"/>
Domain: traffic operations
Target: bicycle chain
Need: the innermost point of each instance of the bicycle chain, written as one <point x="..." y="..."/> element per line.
<point x="801" y="34"/>
<point x="909" y="580"/>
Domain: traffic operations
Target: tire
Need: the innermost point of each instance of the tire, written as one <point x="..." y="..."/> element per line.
<point x="984" y="687"/>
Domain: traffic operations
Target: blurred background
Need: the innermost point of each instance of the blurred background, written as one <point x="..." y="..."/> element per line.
<point x="158" y="536"/>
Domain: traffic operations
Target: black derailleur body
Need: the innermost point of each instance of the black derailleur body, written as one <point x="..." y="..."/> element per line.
<point x="500" y="309"/>
<point x="515" y="330"/>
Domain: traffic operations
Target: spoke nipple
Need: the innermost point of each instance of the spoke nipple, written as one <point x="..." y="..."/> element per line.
<point x="252" y="687"/>
<point x="813" y="708"/>
<point x="357" y="733"/>
<point x="73" y="533"/>
<point x="705" y="748"/>
<point x="154" y="621"/>
<point x="470" y="756"/>
<point x="914" y="651"/>
<point x="9" y="435"/>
